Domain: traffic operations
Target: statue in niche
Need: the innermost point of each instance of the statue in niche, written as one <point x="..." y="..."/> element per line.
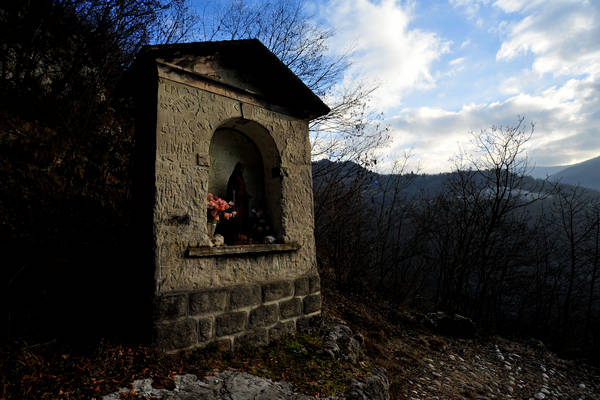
<point x="236" y="192"/>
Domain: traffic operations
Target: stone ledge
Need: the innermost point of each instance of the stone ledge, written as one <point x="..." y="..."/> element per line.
<point x="248" y="249"/>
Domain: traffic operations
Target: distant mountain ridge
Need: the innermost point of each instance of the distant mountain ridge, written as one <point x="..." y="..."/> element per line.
<point x="586" y="174"/>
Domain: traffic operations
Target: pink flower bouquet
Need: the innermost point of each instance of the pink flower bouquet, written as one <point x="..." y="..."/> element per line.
<point x="218" y="208"/>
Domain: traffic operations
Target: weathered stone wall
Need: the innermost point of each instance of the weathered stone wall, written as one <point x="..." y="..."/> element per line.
<point x="219" y="298"/>
<point x="187" y="117"/>
<point x="236" y="316"/>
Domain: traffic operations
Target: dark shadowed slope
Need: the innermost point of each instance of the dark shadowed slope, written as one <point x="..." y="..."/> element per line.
<point x="585" y="174"/>
<point x="543" y="172"/>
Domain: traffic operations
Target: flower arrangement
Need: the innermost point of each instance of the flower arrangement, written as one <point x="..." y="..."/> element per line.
<point x="217" y="208"/>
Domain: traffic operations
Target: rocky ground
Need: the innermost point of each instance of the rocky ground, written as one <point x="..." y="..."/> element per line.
<point x="221" y="385"/>
<point x="424" y="364"/>
<point x="235" y="385"/>
<point x="338" y="344"/>
<point x="340" y="357"/>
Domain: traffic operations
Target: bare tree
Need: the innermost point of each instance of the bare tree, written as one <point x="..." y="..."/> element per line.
<point x="593" y="254"/>
<point x="350" y="132"/>
<point x="575" y="219"/>
<point x="483" y="226"/>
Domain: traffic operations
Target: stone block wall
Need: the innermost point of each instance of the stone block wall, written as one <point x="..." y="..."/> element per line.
<point x="190" y="94"/>
<point x="246" y="315"/>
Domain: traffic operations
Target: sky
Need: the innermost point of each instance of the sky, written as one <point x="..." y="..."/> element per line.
<point x="447" y="68"/>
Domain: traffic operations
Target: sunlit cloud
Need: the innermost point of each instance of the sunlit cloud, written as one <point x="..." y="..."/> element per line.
<point x="386" y="49"/>
<point x="566" y="126"/>
<point x="535" y="58"/>
<point x="562" y="37"/>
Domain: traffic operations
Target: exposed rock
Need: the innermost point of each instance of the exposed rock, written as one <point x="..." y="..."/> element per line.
<point x="232" y="385"/>
<point x="376" y="387"/>
<point x="451" y="325"/>
<point x="340" y="342"/>
<point x="228" y="385"/>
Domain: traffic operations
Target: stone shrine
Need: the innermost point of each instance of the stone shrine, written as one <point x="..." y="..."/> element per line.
<point x="201" y="108"/>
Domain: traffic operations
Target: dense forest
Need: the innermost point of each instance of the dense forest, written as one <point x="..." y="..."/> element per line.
<point x="517" y="255"/>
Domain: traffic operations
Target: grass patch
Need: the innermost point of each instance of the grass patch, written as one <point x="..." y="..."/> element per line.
<point x="303" y="361"/>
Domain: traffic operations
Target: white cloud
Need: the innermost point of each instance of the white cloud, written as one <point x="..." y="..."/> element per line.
<point x="566" y="117"/>
<point x="556" y="85"/>
<point x="471" y="8"/>
<point x="562" y="36"/>
<point x="510" y="6"/>
<point x="559" y="90"/>
<point x="387" y="50"/>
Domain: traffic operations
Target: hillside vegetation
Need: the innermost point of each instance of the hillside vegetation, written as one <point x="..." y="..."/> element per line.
<point x="517" y="256"/>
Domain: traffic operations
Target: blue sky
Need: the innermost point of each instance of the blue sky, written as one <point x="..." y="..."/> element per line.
<point x="447" y="68"/>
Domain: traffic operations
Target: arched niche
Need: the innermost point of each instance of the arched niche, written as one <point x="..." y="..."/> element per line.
<point x="242" y="140"/>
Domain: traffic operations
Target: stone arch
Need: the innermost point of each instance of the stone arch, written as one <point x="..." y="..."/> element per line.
<point x="247" y="141"/>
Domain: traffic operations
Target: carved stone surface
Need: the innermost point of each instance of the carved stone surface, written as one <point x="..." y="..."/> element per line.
<point x="226" y="313"/>
<point x="314" y="283"/>
<point x="245" y="295"/>
<point x="290" y="308"/>
<point x="277" y="290"/>
<point x="229" y="323"/>
<point x="172" y="307"/>
<point x="207" y="301"/>
<point x="205" y="330"/>
<point x="312" y="303"/>
<point x="281" y="330"/>
<point x="263" y="316"/>
<point x="301" y="286"/>
<point x="186" y="120"/>
<point x="177" y="334"/>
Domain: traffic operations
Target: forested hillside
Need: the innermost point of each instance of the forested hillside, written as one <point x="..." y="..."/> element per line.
<point x="517" y="255"/>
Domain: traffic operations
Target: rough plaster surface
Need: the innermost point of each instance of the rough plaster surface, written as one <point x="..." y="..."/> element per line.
<point x="187" y="117"/>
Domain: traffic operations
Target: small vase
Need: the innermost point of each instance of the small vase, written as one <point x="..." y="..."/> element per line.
<point x="211" y="228"/>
